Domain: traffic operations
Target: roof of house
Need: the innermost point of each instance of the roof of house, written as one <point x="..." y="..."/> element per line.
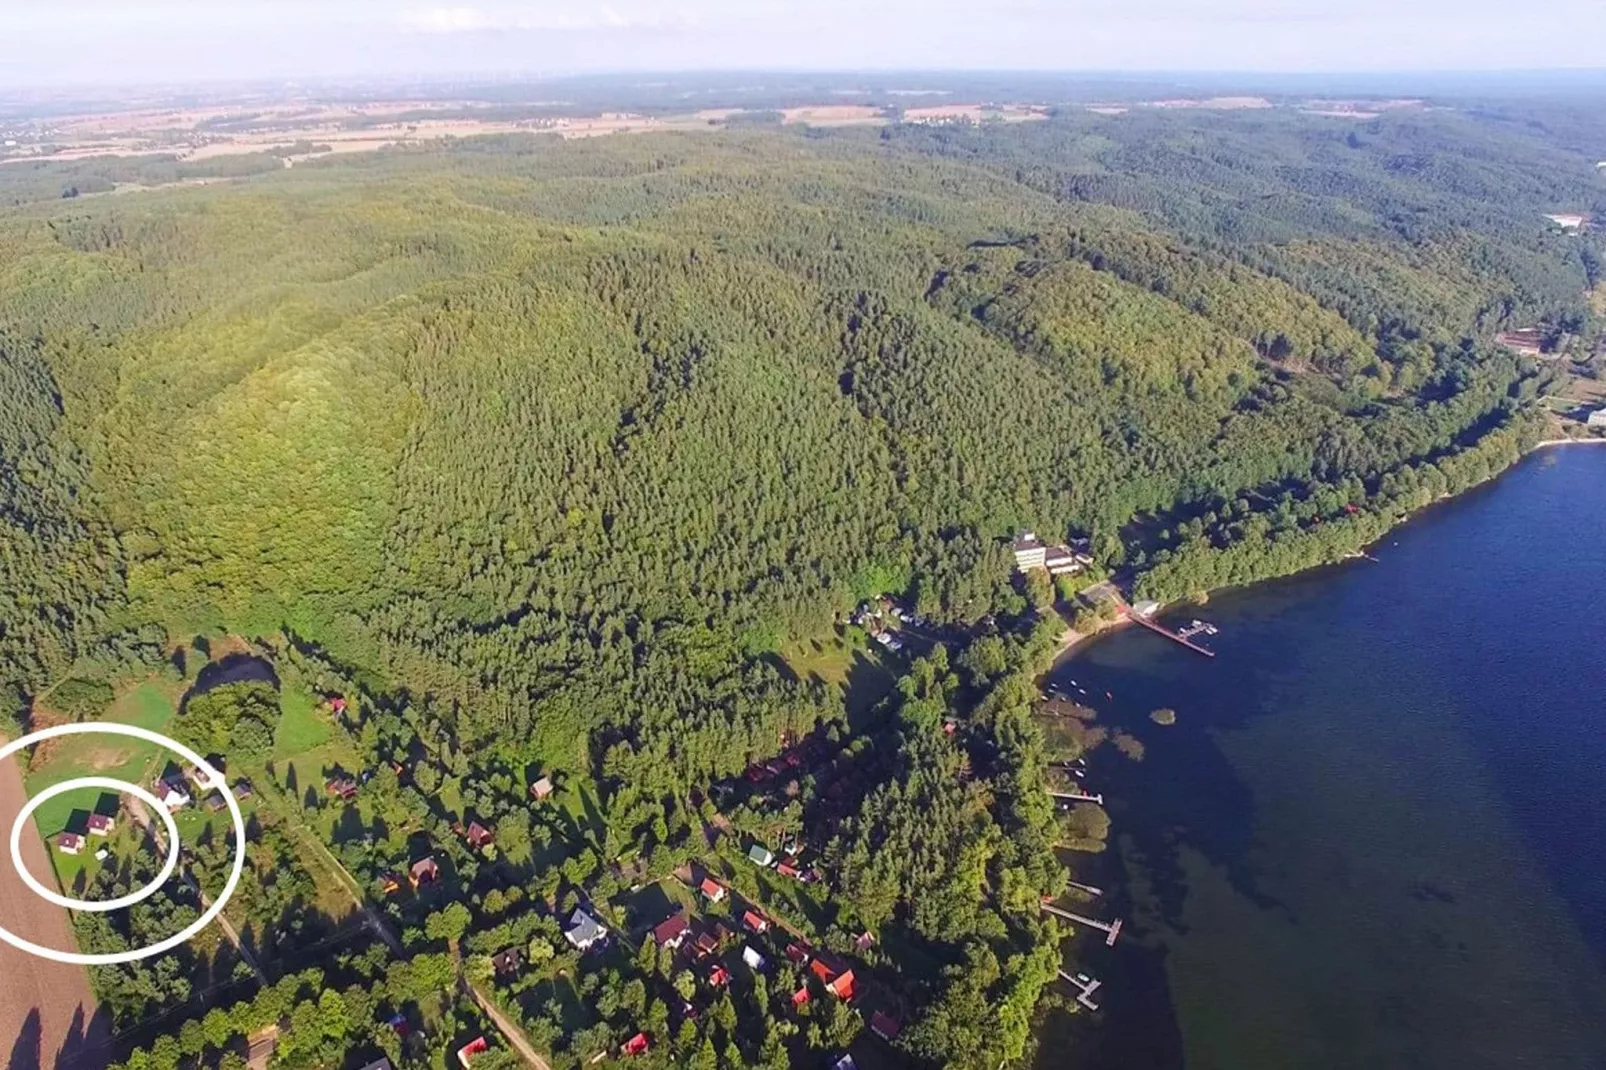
<point x="760" y="854"/>
<point x="757" y="922"/>
<point x="507" y="960"/>
<point x="542" y="786"/>
<point x="583" y="928"/>
<point x="670" y="929"/>
<point x="479" y="835"/>
<point x="719" y="977"/>
<point x="885" y="1026"/>
<point x="712" y="888"/>
<point x="425" y="867"/>
<point x="637" y="1045"/>
<point x="752" y="958"/>
<point x="70" y="840"/>
<point x="842" y="985"/>
<point x="473" y="1047"/>
<point x="801" y="996"/>
<point x="821" y="970"/>
<point x="1027" y="541"/>
<point x="100" y="821"/>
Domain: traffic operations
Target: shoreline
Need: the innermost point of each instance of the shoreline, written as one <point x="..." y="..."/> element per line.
<point x="1072" y="640"/>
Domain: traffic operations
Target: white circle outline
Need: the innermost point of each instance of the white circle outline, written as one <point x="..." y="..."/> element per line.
<point x="214" y="779"/>
<point x="94" y="905"/>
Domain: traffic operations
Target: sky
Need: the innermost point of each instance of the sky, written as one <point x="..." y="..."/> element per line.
<point x="65" y="42"/>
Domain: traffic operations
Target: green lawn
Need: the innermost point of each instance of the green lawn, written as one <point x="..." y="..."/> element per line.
<point x="151" y="705"/>
<point x="304" y="724"/>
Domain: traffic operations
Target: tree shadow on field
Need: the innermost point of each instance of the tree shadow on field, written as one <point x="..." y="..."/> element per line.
<point x="25" y="1049"/>
<point x="87" y="1045"/>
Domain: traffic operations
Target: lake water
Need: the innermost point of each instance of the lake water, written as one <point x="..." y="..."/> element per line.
<point x="1376" y="836"/>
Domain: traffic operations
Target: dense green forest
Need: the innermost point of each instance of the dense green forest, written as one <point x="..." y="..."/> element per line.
<point x="549" y="448"/>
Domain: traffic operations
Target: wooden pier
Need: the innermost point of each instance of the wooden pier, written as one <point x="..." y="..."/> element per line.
<point x="1088" y="888"/>
<point x="1175" y="637"/>
<point x="1078" y="796"/>
<point x="1113" y="928"/>
<point x="1085" y="995"/>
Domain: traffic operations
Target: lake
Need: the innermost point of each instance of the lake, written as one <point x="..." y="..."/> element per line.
<point x="1376" y="835"/>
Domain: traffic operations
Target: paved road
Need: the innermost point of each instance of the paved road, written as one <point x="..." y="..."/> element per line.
<point x="48" y="1015"/>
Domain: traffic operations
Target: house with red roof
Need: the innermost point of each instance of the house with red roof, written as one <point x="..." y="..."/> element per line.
<point x="720" y="977"/>
<point x="798" y="954"/>
<point x="466" y="1053"/>
<point x="479" y="836"/>
<point x="69" y="843"/>
<point x="713" y="890"/>
<point x="800" y="998"/>
<point x="755" y="922"/>
<point x="636" y="1045"/>
<point x="100" y="825"/>
<point x="671" y="931"/>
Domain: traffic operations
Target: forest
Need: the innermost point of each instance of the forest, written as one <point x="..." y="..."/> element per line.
<point x="546" y="452"/>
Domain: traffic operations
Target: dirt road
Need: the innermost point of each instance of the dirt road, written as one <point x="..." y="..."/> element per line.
<point x="47" y="1012"/>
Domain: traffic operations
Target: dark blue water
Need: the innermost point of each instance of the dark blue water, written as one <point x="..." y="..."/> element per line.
<point x="1376" y="836"/>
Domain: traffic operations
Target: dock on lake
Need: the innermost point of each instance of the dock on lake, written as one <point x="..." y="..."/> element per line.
<point x="1087" y="988"/>
<point x="1175" y="637"/>
<point x="1112" y="928"/>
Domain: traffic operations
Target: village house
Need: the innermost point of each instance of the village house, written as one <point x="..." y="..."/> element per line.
<point x="69" y="843"/>
<point x="423" y="872"/>
<point x="466" y="1053"/>
<point x="197" y="776"/>
<point x="755" y="923"/>
<point x="760" y="855"/>
<point x="541" y="789"/>
<point x="1596" y="418"/>
<point x="719" y="977"/>
<point x="713" y="890"/>
<point x="242" y="789"/>
<point x="798" y="954"/>
<point x="636" y="1045"/>
<point x="800" y="998"/>
<point x="583" y="931"/>
<point x="479" y="836"/>
<point x="705" y="944"/>
<point x="343" y="787"/>
<point x="838" y="983"/>
<point x="100" y="825"/>
<point x="507" y="962"/>
<point x="390" y="883"/>
<point x="671" y="932"/>
<point x="171" y="792"/>
<point x="885" y="1026"/>
<point x="754" y="960"/>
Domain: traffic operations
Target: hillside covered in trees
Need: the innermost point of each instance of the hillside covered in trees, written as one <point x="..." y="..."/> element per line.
<point x="550" y="447"/>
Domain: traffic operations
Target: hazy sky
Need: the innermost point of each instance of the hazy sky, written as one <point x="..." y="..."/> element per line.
<point x="68" y="41"/>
